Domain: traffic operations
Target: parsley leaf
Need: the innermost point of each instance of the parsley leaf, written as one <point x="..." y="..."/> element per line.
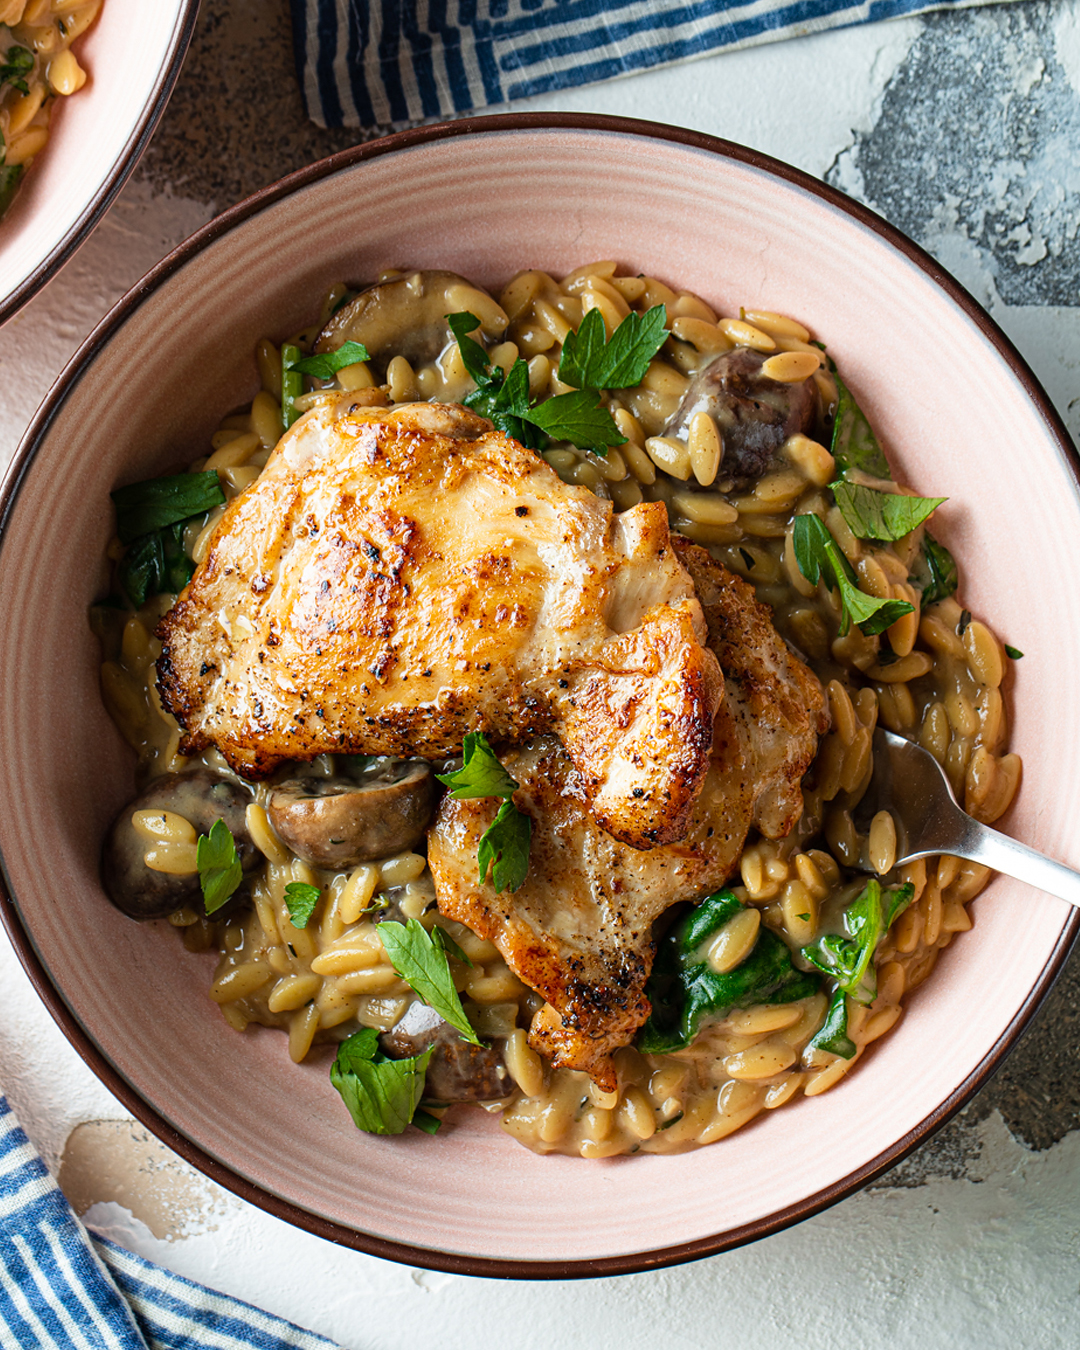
<point x="325" y="365"/>
<point x="854" y="445"/>
<point x="578" y="417"/>
<point x="421" y="962"/>
<point x="847" y="958"/>
<point x="935" y="573"/>
<point x="300" y="901"/>
<point x="819" y="557"/>
<point x="872" y="514"/>
<point x="504" y="400"/>
<point x="504" y="845"/>
<point x="17" y="63"/>
<point x="1013" y="653"/>
<point x="382" y="1094"/>
<point x="504" y="848"/>
<point x="143" y="507"/>
<point x="219" y="865"/>
<point x="592" y="361"/>
<point x="443" y="939"/>
<point x="832" y="1035"/>
<point x="481" y="774"/>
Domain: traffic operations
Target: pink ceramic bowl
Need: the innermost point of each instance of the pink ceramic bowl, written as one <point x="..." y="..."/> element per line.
<point x="487" y="197"/>
<point x="132" y="56"/>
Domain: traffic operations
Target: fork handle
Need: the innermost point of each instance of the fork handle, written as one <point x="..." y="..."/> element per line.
<point x="982" y="844"/>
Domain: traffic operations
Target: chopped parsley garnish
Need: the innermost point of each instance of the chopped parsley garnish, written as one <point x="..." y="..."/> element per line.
<point x="219" y="866"/>
<point x="965" y="619"/>
<point x="504" y="848"/>
<point x="504" y="845"/>
<point x="819" y="557"/>
<point x="382" y="1094"/>
<point x="150" y="519"/>
<point x="871" y="514"/>
<point x="421" y="961"/>
<point x="846" y="957"/>
<point x="592" y="360"/>
<point x="300" y="901"/>
<point x="1013" y="653"/>
<point x="17" y="62"/>
<point x="481" y="774"/>
<point x="578" y="417"/>
<point x="10" y="176"/>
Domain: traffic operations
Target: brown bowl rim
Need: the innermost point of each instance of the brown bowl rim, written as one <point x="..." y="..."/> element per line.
<point x="404" y="1253"/>
<point x="121" y="171"/>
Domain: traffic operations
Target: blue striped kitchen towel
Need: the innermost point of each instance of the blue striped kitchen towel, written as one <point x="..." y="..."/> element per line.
<point x="373" y="63"/>
<point x="60" y="1289"/>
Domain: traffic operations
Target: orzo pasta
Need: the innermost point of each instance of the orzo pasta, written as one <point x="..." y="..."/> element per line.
<point x="774" y="985"/>
<point x="37" y="66"/>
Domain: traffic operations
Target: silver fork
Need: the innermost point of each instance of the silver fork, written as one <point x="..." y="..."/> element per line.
<point x="910" y="784"/>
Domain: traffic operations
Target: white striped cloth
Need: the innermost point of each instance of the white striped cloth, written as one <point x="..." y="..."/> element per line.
<point x="61" y="1289"/>
<point x="376" y="62"/>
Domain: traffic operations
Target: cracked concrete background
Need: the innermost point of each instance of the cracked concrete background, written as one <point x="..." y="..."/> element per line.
<point x="963" y="129"/>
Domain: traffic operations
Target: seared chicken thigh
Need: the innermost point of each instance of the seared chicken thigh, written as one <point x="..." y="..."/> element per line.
<point x="579" y="931"/>
<point x="398" y="577"/>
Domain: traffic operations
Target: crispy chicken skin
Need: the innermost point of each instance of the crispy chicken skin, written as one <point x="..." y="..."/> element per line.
<point x="579" y="931"/>
<point x="398" y="577"/>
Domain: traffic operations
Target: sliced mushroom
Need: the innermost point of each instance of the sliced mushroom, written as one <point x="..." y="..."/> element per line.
<point x="339" y="822"/>
<point x="755" y="415"/>
<point x="407" y="317"/>
<point x="459" y="1071"/>
<point x="201" y="798"/>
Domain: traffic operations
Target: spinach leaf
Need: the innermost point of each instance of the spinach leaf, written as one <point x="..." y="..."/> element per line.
<point x="300" y="901"/>
<point x="866" y="920"/>
<point x="219" y="866"/>
<point x="819" y="557"/>
<point x="16" y="62"/>
<point x="382" y="1094"/>
<point x="1013" y="653"/>
<point x="292" y="383"/>
<point x="10" y="176"/>
<point x="685" y="991"/>
<point x="832" y="1035"/>
<point x="144" y="507"/>
<point x="871" y="514"/>
<point x="325" y="365"/>
<point x="156" y="562"/>
<point x="504" y="848"/>
<point x="590" y="360"/>
<point x="854" y="445"/>
<point x="935" y="573"/>
<point x="421" y="962"/>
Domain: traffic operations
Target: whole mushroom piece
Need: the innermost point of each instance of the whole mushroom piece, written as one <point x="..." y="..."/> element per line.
<point x="458" y="1070"/>
<point x="755" y="415"/>
<point x="339" y="822"/>
<point x="201" y="797"/>
<point x="407" y="317"/>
